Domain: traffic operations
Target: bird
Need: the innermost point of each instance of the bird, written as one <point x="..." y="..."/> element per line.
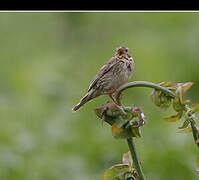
<point x="116" y="72"/>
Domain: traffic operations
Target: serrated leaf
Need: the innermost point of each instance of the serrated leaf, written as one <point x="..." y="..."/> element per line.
<point x="195" y="107"/>
<point x="186" y="130"/>
<point x="127" y="159"/>
<point x="115" y="171"/>
<point x="174" y="118"/>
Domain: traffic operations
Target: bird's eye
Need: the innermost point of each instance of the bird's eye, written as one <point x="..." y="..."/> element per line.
<point x="126" y="50"/>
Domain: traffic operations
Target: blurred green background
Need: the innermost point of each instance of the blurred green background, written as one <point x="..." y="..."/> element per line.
<point x="47" y="61"/>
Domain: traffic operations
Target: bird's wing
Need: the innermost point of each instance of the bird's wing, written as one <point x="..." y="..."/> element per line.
<point x="103" y="71"/>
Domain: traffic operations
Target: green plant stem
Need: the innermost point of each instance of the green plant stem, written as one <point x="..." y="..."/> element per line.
<point x="142" y="84"/>
<point x="194" y="131"/>
<point x="136" y="162"/>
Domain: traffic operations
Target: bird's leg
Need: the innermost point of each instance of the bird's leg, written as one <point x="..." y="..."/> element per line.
<point x="113" y="98"/>
<point x="115" y="102"/>
<point x="110" y="93"/>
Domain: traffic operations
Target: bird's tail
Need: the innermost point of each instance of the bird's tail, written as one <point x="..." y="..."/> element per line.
<point x="85" y="99"/>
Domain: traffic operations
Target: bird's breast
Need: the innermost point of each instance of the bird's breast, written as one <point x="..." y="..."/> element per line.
<point x="125" y="73"/>
<point x="120" y="74"/>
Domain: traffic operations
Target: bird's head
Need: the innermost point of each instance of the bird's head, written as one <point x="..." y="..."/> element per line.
<point x="122" y="52"/>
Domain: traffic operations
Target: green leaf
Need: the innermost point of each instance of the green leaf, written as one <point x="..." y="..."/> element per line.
<point x="127" y="159"/>
<point x="186" y="130"/>
<point x="116" y="171"/>
<point x="174" y="118"/>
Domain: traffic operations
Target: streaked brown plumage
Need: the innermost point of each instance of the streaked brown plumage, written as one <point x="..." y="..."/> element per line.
<point x="116" y="72"/>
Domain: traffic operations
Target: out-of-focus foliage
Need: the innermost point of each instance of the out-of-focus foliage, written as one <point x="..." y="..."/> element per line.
<point x="47" y="63"/>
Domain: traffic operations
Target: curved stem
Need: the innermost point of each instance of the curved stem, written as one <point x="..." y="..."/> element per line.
<point x="142" y="84"/>
<point x="135" y="158"/>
